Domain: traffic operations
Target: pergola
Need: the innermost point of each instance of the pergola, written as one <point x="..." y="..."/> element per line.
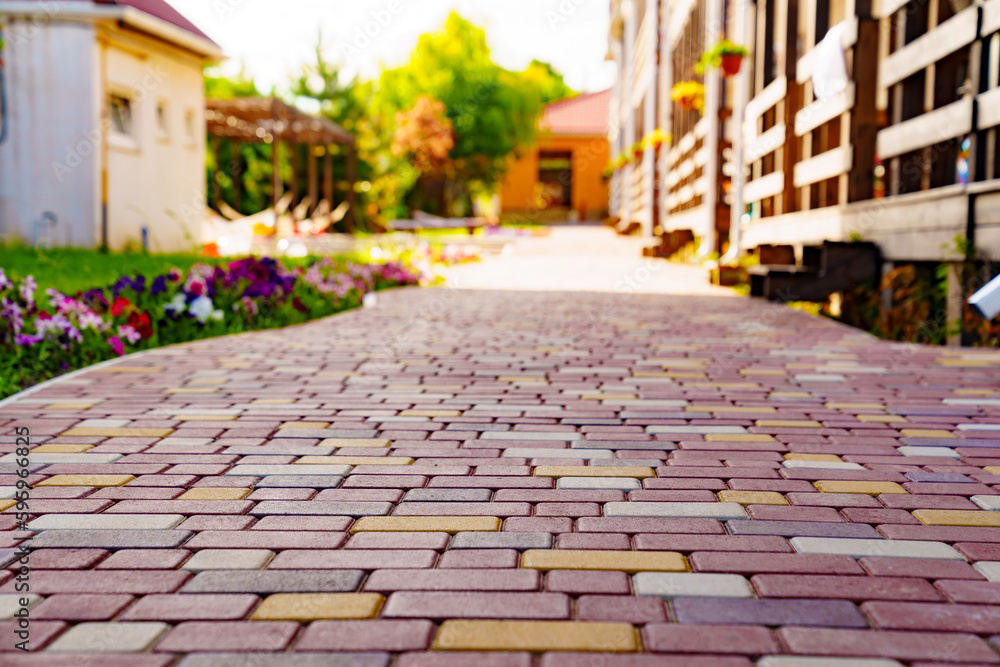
<point x="271" y="121"/>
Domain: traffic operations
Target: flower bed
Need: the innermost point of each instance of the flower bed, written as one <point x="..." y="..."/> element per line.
<point x="42" y="336"/>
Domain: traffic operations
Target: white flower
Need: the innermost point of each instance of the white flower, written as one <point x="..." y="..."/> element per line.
<point x="129" y="333"/>
<point x="217" y="315"/>
<point x="201" y="308"/>
<point x="178" y="304"/>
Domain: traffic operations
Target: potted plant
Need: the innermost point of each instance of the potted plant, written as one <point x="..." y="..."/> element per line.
<point x="726" y="55"/>
<point x="690" y="95"/>
<point x="621" y="161"/>
<point x="657" y="138"/>
<point x="608" y="171"/>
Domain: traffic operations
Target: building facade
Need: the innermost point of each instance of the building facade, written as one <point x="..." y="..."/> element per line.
<point x="105" y="124"/>
<point x="562" y="174"/>
<point x="849" y="121"/>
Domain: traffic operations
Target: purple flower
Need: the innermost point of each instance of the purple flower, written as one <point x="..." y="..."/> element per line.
<point x="28" y="287"/>
<point x="12" y="312"/>
<point x="27" y="340"/>
<point x="159" y="285"/>
<point x="5" y="282"/>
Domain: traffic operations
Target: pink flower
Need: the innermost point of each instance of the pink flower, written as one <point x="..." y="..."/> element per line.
<point x="129" y="333"/>
<point x="116" y="344"/>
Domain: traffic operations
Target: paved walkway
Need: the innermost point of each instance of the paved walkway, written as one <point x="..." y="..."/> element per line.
<point x="516" y="479"/>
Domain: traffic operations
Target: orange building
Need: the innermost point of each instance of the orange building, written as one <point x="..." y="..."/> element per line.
<point x="560" y="177"/>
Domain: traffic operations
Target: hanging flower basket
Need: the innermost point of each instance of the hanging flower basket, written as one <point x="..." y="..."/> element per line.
<point x="657" y="138"/>
<point x="689" y="95"/>
<point x="638" y="148"/>
<point x="731" y="63"/>
<point x="621" y="161"/>
<point x="725" y="55"/>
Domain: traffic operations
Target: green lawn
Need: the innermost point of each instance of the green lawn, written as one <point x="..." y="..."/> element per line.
<point x="71" y="270"/>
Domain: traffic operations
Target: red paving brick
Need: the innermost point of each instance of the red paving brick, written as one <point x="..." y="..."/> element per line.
<point x="468" y="494"/>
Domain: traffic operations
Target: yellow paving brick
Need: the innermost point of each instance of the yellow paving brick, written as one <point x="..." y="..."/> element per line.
<point x="813" y="457"/>
<point x="536" y="636"/>
<point x="594" y="471"/>
<point x="101" y="431"/>
<point x="884" y="419"/>
<point x="60" y="449"/>
<point x="430" y="413"/>
<point x="192" y="390"/>
<point x="354" y="442"/>
<point x="318" y="606"/>
<point x="870" y="488"/>
<point x="312" y="425"/>
<point x="357" y="460"/>
<point x="927" y="433"/>
<point x="993" y="470"/>
<point x="425" y="524"/>
<point x="729" y="408"/>
<point x="68" y="406"/>
<point x="752" y="497"/>
<point x="974" y="392"/>
<point x="214" y="493"/>
<point x="594" y="559"/>
<point x="788" y="423"/>
<point x="739" y="437"/>
<point x="855" y="406"/>
<point x="87" y="480"/>
<point x="7" y="504"/>
<point x="958" y="517"/>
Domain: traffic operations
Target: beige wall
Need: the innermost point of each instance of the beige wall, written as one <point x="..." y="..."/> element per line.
<point x="156" y="177"/>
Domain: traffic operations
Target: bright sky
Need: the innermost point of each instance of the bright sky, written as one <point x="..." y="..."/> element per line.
<point x="273" y="38"/>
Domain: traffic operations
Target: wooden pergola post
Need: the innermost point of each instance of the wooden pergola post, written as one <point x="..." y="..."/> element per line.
<point x="238" y="175"/>
<point x="351" y="218"/>
<point x="313" y="178"/>
<point x="276" y="184"/>
<point x="328" y="176"/>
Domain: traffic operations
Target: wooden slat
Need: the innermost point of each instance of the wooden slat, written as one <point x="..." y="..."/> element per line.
<point x="804" y="68"/>
<point x="686" y="168"/>
<point x="672" y="178"/>
<point x="948" y="37"/>
<point x="928" y="129"/>
<point x="679" y="16"/>
<point x="701" y="185"/>
<point x="767" y="98"/>
<point x="989" y="109"/>
<point x="701" y="156"/>
<point x="685" y="194"/>
<point x="687" y="142"/>
<point x="823" y="111"/>
<point x="991" y="17"/>
<point x="768" y="142"/>
<point x="765" y="186"/>
<point x="823" y="166"/>
<point x="886" y="8"/>
<point x="701" y="128"/>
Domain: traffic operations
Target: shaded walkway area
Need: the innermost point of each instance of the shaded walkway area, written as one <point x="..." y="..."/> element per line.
<point x="553" y="478"/>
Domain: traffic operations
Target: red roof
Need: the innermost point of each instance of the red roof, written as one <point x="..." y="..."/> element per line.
<point x="160" y="9"/>
<point x="584" y="114"/>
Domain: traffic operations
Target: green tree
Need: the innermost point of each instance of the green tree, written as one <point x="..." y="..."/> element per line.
<point x="493" y="111"/>
<point x="549" y="82"/>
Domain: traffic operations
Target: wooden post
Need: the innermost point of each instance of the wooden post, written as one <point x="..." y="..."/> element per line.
<point x="789" y="23"/>
<point x="276" y="185"/>
<point x="238" y="176"/>
<point x="351" y="218"/>
<point x="328" y="176"/>
<point x="312" y="177"/>
<point x="864" y="115"/>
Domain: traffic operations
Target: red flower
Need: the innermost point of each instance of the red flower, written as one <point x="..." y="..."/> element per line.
<point x="44" y="315"/>
<point x="141" y="323"/>
<point x="119" y="306"/>
<point x="298" y="305"/>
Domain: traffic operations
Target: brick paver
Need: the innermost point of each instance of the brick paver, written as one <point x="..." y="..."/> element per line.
<point x="522" y="479"/>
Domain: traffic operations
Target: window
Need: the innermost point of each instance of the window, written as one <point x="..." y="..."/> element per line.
<point x="189" y="126"/>
<point x="162" y="120"/>
<point x="120" y="112"/>
<point x="555" y="176"/>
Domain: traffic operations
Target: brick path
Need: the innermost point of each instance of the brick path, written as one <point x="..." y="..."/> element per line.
<point x="550" y="479"/>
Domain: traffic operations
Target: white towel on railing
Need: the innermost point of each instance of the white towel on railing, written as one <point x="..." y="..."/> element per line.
<point x="829" y="77"/>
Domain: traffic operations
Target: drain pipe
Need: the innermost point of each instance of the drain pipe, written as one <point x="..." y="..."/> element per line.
<point x="738" y="178"/>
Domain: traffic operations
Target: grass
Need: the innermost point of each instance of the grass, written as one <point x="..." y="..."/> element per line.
<point x="71" y="270"/>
